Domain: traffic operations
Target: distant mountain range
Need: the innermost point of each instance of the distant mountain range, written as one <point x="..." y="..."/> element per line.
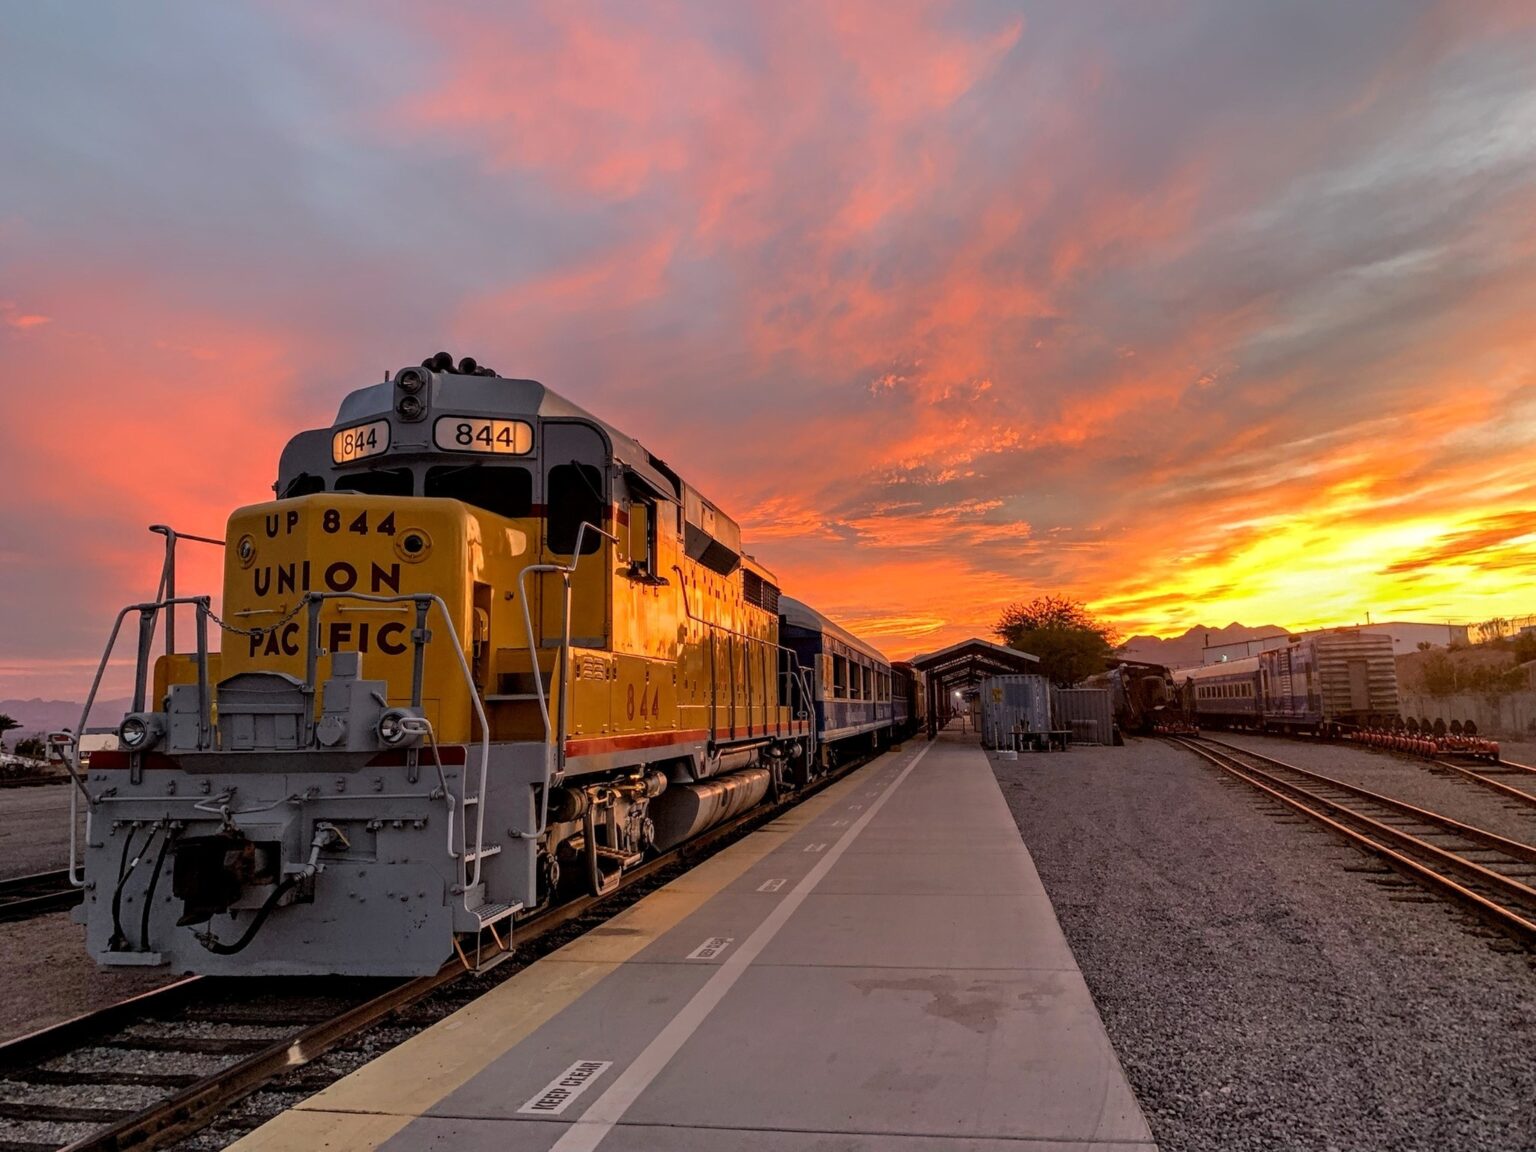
<point x="1181" y="651"/>
<point x="40" y="716"/>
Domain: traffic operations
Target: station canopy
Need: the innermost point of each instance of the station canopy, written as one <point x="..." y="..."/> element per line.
<point x="965" y="665"/>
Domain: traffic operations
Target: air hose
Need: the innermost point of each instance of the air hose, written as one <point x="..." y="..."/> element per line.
<point x="211" y="942"/>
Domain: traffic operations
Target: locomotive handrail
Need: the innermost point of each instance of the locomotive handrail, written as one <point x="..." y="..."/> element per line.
<point x="167" y="590"/>
<point x="562" y="657"/>
<point x="69" y="751"/>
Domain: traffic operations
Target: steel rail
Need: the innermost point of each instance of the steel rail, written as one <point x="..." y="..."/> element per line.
<point x="1471" y="832"/>
<point x="1506" y="790"/>
<point x="34" y="1047"/>
<point x="25" y="896"/>
<point x="194" y="1106"/>
<point x="1513" y="923"/>
<point x="1473" y="774"/>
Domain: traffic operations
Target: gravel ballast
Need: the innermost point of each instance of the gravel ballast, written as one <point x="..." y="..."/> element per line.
<point x="1265" y="985"/>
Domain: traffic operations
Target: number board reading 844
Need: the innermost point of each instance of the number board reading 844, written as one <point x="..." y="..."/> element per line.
<point x="483" y="434"/>
<point x="365" y="440"/>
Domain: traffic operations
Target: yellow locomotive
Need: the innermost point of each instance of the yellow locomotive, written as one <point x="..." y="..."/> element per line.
<point x="480" y="641"/>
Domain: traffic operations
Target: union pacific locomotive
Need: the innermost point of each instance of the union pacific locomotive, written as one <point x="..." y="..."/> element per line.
<point x="481" y="649"/>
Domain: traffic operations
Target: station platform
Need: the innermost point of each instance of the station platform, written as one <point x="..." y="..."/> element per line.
<point x="878" y="969"/>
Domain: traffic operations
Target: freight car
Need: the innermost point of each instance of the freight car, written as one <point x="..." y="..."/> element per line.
<point x="482" y="647"/>
<point x="1333" y="681"/>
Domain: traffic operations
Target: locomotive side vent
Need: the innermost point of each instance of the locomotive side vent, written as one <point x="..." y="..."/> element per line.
<point x="756" y="590"/>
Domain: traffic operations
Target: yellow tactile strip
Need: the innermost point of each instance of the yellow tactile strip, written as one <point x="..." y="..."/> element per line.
<point x="363" y="1110"/>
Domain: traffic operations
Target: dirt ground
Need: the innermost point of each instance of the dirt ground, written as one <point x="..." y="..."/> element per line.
<point x="46" y="977"/>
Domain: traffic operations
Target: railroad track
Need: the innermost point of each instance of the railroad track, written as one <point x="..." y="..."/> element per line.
<point x="152" y="1070"/>
<point x="25" y="896"/>
<point x="1489" y="874"/>
<point x="1484" y="776"/>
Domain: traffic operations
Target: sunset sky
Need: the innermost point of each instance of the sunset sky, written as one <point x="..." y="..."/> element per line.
<point x="1197" y="311"/>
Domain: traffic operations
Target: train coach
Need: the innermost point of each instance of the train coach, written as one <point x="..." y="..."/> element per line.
<point x="862" y="702"/>
<point x="481" y="649"/>
<point x="909" y="698"/>
<point x="1331" y="681"/>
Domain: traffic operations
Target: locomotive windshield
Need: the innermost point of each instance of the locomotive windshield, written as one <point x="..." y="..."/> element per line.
<point x="506" y="490"/>
<point x="379" y="482"/>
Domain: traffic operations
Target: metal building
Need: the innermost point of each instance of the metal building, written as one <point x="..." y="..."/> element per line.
<point x="1085" y="712"/>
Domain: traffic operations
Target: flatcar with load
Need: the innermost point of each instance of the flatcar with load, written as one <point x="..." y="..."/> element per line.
<point x="481" y="648"/>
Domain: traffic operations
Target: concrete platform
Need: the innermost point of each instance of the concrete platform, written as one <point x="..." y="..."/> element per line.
<point x="878" y="969"/>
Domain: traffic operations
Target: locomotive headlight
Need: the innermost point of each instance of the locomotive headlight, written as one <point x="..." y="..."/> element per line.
<point x="410" y="380"/>
<point x="410" y="407"/>
<point x="139" y="731"/>
<point x="397" y="727"/>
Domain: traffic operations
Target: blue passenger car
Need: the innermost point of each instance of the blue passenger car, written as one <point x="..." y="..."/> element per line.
<point x="851" y="681"/>
<point x="1228" y="695"/>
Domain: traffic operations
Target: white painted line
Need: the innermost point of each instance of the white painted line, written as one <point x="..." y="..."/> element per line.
<point x="593" y="1125"/>
<point x="815" y="847"/>
<point x="855" y="807"/>
<point x="771" y="885"/>
<point x="711" y="948"/>
<point x="839" y="823"/>
<point x="559" y="1092"/>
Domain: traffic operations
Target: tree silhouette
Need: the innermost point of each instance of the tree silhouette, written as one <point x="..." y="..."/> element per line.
<point x="1070" y="641"/>
<point x="7" y="724"/>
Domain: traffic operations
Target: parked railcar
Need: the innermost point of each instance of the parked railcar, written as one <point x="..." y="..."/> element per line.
<point x="851" y="684"/>
<point x="1228" y="695"/>
<point x="481" y="638"/>
<point x="1343" y="679"/>
<point x="1331" y="681"/>
<point x="909" y="693"/>
<point x="1142" y="695"/>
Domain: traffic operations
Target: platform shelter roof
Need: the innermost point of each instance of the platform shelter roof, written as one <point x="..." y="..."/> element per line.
<point x="973" y="660"/>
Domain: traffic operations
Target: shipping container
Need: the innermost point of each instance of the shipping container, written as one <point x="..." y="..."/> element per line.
<point x="1013" y="704"/>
